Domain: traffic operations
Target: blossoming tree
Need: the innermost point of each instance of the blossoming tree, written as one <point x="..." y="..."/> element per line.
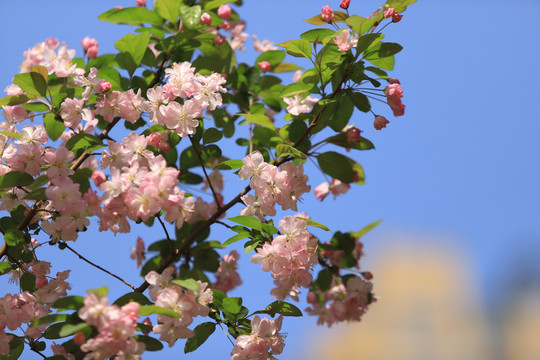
<point x="176" y="87"/>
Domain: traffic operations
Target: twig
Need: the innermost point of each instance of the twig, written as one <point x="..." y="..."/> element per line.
<point x="171" y="246"/>
<point x="226" y="335"/>
<point x="204" y="170"/>
<point x="98" y="267"/>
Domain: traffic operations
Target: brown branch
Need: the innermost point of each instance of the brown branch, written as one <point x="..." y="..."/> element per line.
<point x="171" y="246"/>
<point x="98" y="267"/>
<point x="204" y="171"/>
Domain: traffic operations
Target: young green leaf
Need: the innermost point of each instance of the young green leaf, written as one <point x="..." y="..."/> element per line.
<point x="131" y="16"/>
<point x="200" y="335"/>
<point x="229" y="165"/>
<point x="15" y="178"/>
<point x="337" y="166"/>
<point x="153" y="309"/>
<point x="249" y="221"/>
<point x="54" y="127"/>
<point x="280" y="307"/>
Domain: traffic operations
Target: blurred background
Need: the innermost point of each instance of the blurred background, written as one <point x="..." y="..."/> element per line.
<point x="456" y="260"/>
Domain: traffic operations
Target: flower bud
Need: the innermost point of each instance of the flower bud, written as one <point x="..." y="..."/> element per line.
<point x="88" y="42"/>
<point x="264" y="66"/>
<point x="225" y="26"/>
<point x="206" y="19"/>
<point x="92" y="52"/>
<point x="224" y="12"/>
<point x="104" y="86"/>
<point x="98" y="177"/>
<point x="380" y="122"/>
<point x="344" y="4"/>
<point x="396" y="17"/>
<point x="140" y="3"/>
<point x="79" y="338"/>
<point x="219" y="40"/>
<point x="389" y="13"/>
<point x="353" y="135"/>
<point x="327" y="14"/>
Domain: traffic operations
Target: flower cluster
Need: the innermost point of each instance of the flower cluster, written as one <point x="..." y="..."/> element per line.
<point x="284" y="186"/>
<point x="45" y="54"/>
<point x="115" y="326"/>
<point x="341" y="302"/>
<point x="289" y="257"/>
<point x="335" y="188"/>
<point x="227" y="274"/>
<point x="394" y="93"/>
<point x="299" y="104"/>
<point x="264" y="341"/>
<point x="186" y="303"/>
<point x="16" y="310"/>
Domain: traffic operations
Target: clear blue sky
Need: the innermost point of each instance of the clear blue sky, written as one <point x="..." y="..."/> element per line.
<point x="463" y="161"/>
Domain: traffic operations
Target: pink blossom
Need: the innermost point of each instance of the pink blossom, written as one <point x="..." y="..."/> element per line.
<point x="225" y="26"/>
<point x="264" y="66"/>
<point x="182" y="119"/>
<point x="92" y="52"/>
<point x="140" y="3"/>
<point x="263" y="46"/>
<point x="138" y="253"/>
<point x="299" y="105"/>
<point x="104" y="86"/>
<point x="354" y="135"/>
<point x="380" y="122"/>
<point x="327" y="13"/>
<point x="71" y="111"/>
<point x="394" y="93"/>
<point x="396" y="17"/>
<point x="88" y="42"/>
<point x="263" y="342"/>
<point x="344" y="41"/>
<point x="206" y="19"/>
<point x="227" y="274"/>
<point x="297" y="76"/>
<point x="224" y="12"/>
<point x="208" y="89"/>
<point x="219" y="40"/>
<point x="389" y="13"/>
<point x="180" y="79"/>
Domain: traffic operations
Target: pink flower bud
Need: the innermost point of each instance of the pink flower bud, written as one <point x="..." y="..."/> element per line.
<point x="118" y="7"/>
<point x="327" y="14"/>
<point x="104" y="86"/>
<point x="344" y="4"/>
<point x="224" y="12"/>
<point x="206" y="19"/>
<point x="164" y="147"/>
<point x="380" y="122"/>
<point x="353" y="135"/>
<point x="225" y="26"/>
<point x="219" y="40"/>
<point x="396" y="17"/>
<point x="79" y="338"/>
<point x="154" y="139"/>
<point x="148" y="322"/>
<point x="92" y="52"/>
<point x="98" y="177"/>
<point x="389" y="13"/>
<point x="41" y="281"/>
<point x="264" y="65"/>
<point x="88" y="42"/>
<point x="140" y="3"/>
<point x="393" y="81"/>
<point x="297" y="76"/>
<point x="51" y="43"/>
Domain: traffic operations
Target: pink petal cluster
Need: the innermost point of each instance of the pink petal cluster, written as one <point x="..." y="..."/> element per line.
<point x="341" y="303"/>
<point x="335" y="188"/>
<point x="58" y="62"/>
<point x="227" y="274"/>
<point x="138" y="253"/>
<point x="224" y="12"/>
<point x="116" y="328"/>
<point x="90" y="47"/>
<point x="186" y="303"/>
<point x="283" y="186"/>
<point x="380" y="122"/>
<point x="262" y="46"/>
<point x="264" y="341"/>
<point x="394" y="93"/>
<point x="345" y="4"/>
<point x="289" y="257"/>
<point x="300" y="105"/>
<point x="344" y="41"/>
<point x="327" y="13"/>
<point x="264" y="66"/>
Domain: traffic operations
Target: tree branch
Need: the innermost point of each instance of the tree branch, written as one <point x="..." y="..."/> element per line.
<point x="204" y="171"/>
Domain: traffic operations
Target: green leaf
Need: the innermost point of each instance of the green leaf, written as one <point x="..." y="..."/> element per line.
<point x="360" y="101"/>
<point x="5" y="267"/>
<point x="299" y="48"/>
<point x="84" y="141"/>
<point x="296" y="88"/>
<point x="310" y="222"/>
<point x="12" y="237"/>
<point x="151" y="343"/>
<point x="132" y="297"/>
<point x="189" y="284"/>
<point x="11" y="134"/>
<point x="82" y="177"/>
<point x="365" y="41"/>
<point x="280" y="307"/>
<point x="102" y="291"/>
<point x="64" y="329"/>
<point x="342" y="140"/>
<point x="168" y="9"/>
<point x="131" y="16"/>
<point x="32" y="83"/>
<point x="211" y="135"/>
<point x="366" y="229"/>
<point x="14" y="100"/>
<point x="53" y="127"/>
<point x="229" y="165"/>
<point x="389" y="49"/>
<point x="386" y="63"/>
<point x="324" y="279"/>
<point x="69" y="303"/>
<point x="37" y="106"/>
<point x="214" y="4"/>
<point x="251" y="245"/>
<point x="274" y="57"/>
<point x="153" y="309"/>
<point x="361" y="24"/>
<point x="285" y="67"/>
<point x="259" y="119"/>
<point x="248" y="221"/>
<point x="316" y="34"/>
<point x="15" y="178"/>
<point x="112" y="76"/>
<point x="39" y="182"/>
<point x="201" y="334"/>
<point x="236" y="238"/>
<point x="316" y="20"/>
<point x="287" y="150"/>
<point x="399" y="5"/>
<point x="232" y="304"/>
<point x="134" y="45"/>
<point x="49" y="319"/>
<point x="337" y="166"/>
<point x="191" y="16"/>
<point x="28" y="282"/>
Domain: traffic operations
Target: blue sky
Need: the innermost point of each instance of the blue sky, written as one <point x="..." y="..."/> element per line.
<point x="463" y="161"/>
